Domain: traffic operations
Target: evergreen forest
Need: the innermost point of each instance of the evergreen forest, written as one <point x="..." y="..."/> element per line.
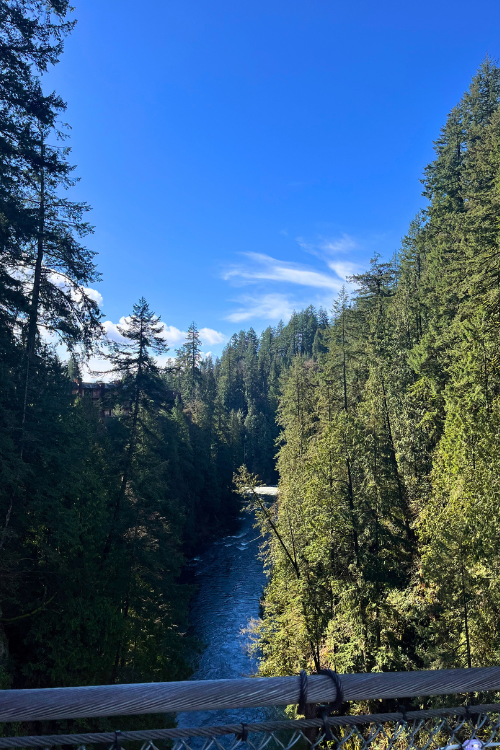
<point x="379" y="419"/>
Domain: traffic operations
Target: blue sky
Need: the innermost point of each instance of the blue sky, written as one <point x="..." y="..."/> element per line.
<point x="242" y="157"/>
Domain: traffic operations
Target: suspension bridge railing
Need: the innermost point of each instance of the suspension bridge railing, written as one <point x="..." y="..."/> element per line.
<point x="468" y="727"/>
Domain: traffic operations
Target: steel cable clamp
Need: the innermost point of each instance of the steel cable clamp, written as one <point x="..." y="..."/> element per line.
<point x="322" y="711"/>
<point x="243" y="735"/>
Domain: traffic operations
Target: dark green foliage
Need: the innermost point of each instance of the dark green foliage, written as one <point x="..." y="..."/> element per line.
<point x="388" y="503"/>
<point x="99" y="504"/>
<point x="40" y="229"/>
<point x="188" y="361"/>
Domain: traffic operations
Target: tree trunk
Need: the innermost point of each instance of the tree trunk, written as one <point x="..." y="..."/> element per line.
<point x="35" y="295"/>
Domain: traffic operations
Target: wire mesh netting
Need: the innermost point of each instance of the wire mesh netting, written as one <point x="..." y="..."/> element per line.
<point x="472" y="732"/>
<point x="467" y="728"/>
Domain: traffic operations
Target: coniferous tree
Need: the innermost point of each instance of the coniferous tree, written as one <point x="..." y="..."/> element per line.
<point x="397" y="462"/>
<point x="134" y="363"/>
<point x="188" y="361"/>
<point x="31" y="39"/>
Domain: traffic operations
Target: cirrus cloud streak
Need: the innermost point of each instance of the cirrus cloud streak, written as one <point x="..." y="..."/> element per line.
<point x="318" y="285"/>
<point x="267" y="307"/>
<point x="265" y="268"/>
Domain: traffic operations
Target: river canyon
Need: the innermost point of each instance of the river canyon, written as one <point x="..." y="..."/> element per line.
<point x="230" y="577"/>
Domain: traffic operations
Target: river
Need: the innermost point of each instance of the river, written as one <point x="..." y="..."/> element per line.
<point x="230" y="578"/>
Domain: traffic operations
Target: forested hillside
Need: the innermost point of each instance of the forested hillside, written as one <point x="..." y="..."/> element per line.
<point x="386" y="553"/>
<point x="101" y="504"/>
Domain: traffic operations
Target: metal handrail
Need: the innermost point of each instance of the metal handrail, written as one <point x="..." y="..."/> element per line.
<point x="152" y="735"/>
<point x="205" y="695"/>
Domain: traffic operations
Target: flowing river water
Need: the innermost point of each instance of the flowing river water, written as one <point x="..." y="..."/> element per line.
<point x="230" y="578"/>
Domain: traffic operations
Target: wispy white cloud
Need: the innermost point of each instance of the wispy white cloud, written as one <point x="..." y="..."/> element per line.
<point x="112" y="332"/>
<point x="94" y="294"/>
<point x="319" y="284"/>
<point x="325" y="246"/>
<point x="309" y="247"/>
<point x="172" y="335"/>
<point x="209" y="337"/>
<point x="343" y="269"/>
<point x="267" y="306"/>
<point x="265" y="268"/>
<point x="76" y="292"/>
<point x="343" y="244"/>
